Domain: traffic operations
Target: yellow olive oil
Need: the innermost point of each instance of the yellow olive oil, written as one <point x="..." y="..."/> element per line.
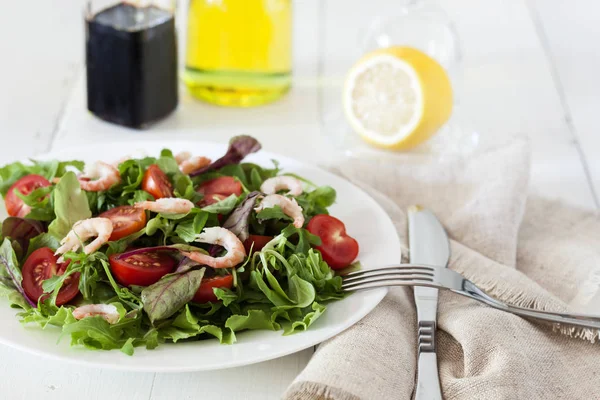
<point x="239" y="52"/>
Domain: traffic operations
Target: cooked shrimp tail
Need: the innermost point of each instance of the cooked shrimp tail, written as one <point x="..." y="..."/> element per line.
<point x="167" y="205"/>
<point x="283" y="182"/>
<point x="193" y="163"/>
<point x="222" y="237"/>
<point x="100" y="176"/>
<point x="100" y="228"/>
<point x="107" y="311"/>
<point x="289" y="206"/>
<point x="182" y="156"/>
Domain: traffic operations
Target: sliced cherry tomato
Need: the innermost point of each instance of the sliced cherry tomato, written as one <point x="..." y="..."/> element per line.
<point x="27" y="184"/>
<point x="224" y="185"/>
<point x="211" y="199"/>
<point x="258" y="240"/>
<point x="205" y="292"/>
<point x="157" y="183"/>
<point x="141" y="269"/>
<point x="42" y="265"/>
<point x="337" y="248"/>
<point x="125" y="220"/>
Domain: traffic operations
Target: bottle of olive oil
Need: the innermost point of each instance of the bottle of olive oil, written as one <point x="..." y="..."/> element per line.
<point x="239" y="52"/>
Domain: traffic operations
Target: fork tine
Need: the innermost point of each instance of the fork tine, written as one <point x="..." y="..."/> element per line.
<point x="387" y="283"/>
<point x="398" y="267"/>
<point x="391" y="272"/>
<point x="387" y="280"/>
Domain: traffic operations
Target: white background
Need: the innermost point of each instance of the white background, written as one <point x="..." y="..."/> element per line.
<point x="530" y="66"/>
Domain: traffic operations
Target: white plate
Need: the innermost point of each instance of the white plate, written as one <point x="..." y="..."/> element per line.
<point x="364" y="219"/>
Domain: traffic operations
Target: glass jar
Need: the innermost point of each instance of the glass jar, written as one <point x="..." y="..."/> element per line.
<point x="131" y="60"/>
<point x="239" y="52"/>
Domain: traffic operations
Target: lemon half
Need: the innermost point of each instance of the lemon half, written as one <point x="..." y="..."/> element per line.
<point x="397" y="97"/>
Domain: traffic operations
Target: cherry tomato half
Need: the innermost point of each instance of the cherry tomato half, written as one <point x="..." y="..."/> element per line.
<point x="125" y="220"/>
<point x="141" y="269"/>
<point x="27" y="184"/>
<point x="157" y="183"/>
<point x="205" y="292"/>
<point x="337" y="248"/>
<point x="224" y="185"/>
<point x="42" y="265"/>
<point x="211" y="199"/>
<point x="259" y="242"/>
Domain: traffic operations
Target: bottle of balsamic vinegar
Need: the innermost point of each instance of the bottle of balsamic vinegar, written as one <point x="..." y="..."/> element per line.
<point x="131" y="61"/>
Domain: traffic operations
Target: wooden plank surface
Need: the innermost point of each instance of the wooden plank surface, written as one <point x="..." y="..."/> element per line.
<point x="39" y="61"/>
<point x="570" y="35"/>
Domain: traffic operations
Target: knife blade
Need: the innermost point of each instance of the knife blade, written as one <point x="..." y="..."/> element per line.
<point x="428" y="243"/>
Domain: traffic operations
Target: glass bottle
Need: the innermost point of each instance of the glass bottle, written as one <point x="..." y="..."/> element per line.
<point x="239" y="52"/>
<point x="131" y="60"/>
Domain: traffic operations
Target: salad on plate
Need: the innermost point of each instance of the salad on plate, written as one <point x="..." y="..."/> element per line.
<point x="142" y="251"/>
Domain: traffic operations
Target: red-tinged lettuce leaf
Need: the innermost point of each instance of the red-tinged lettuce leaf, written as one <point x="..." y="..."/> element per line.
<point x="239" y="147"/>
<point x="21" y="230"/>
<point x="9" y="267"/>
<point x="238" y="221"/>
<point x="173" y="291"/>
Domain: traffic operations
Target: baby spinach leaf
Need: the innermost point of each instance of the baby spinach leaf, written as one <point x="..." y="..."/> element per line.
<point x="70" y="205"/>
<point x="222" y="207"/>
<point x="189" y="229"/>
<point x="317" y="201"/>
<point x="43" y="240"/>
<point x="272" y="213"/>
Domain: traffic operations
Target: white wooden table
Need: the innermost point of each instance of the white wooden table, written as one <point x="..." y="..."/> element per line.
<point x="530" y="66"/>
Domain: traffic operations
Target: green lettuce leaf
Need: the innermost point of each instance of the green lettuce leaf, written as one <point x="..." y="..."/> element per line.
<point x="186" y="325"/>
<point x="189" y="229"/>
<point x="222" y="207"/>
<point x="70" y="205"/>
<point x="10" y="173"/>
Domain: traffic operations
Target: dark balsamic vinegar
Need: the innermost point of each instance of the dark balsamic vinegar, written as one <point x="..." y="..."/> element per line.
<point x="131" y="62"/>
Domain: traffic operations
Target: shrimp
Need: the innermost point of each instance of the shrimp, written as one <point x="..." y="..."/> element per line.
<point x="277" y="183"/>
<point x="100" y="176"/>
<point x="106" y="311"/>
<point x="188" y="164"/>
<point x="182" y="156"/>
<point x="101" y="228"/>
<point x="193" y="164"/>
<point x="223" y="237"/>
<point x="167" y="205"/>
<point x="289" y="207"/>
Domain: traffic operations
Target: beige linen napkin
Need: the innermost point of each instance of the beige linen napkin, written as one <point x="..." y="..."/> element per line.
<point x="531" y="252"/>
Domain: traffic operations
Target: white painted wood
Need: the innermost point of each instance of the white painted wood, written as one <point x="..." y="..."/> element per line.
<point x="267" y="380"/>
<point x="26" y="376"/>
<point x="508" y="88"/>
<point x="572" y="34"/>
<point x="39" y="59"/>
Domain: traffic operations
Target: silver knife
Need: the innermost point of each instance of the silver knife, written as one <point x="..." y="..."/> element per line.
<point x="429" y="245"/>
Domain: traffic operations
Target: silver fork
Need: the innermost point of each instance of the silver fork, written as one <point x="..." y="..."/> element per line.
<point x="444" y="278"/>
